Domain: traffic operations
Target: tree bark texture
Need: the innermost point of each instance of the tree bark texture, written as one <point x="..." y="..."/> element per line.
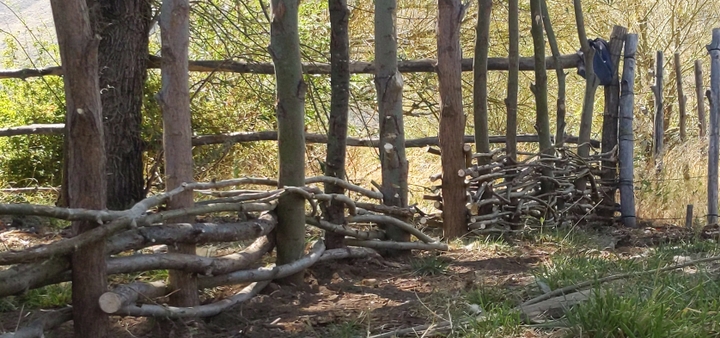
<point x="610" y="122"/>
<point x="511" y="101"/>
<point x="626" y="135"/>
<point x="338" y="120"/>
<point x="389" y="86"/>
<point x="291" y="89"/>
<point x="539" y="89"/>
<point x="452" y="120"/>
<point x="123" y="63"/>
<point x="85" y="158"/>
<point x="566" y="61"/>
<point x="480" y="95"/>
<point x="174" y="99"/>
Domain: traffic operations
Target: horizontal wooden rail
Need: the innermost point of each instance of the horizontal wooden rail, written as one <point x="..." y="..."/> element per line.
<point x="243" y="137"/>
<point x="357" y="67"/>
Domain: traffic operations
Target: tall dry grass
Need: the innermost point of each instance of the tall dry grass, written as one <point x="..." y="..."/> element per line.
<point x="664" y="190"/>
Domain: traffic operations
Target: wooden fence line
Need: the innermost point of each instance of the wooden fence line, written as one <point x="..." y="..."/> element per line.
<point x="242" y="137"/>
<point x="358" y="67"/>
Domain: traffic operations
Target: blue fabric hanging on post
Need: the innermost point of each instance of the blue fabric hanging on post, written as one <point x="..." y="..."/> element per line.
<point x="602" y="62"/>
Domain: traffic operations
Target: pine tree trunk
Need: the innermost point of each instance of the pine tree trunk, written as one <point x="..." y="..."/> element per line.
<point x="174" y="99"/>
<point x="338" y="121"/>
<point x="452" y="120"/>
<point x="285" y="51"/>
<point x="123" y="59"/>
<point x="85" y="158"/>
<point x="389" y="86"/>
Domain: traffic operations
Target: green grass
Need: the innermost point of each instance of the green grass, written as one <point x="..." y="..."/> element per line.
<point x="50" y="296"/>
<point x="680" y="303"/>
<point x="430" y="265"/>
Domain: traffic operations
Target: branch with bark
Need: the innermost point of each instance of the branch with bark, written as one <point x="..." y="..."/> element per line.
<point x="357" y="67"/>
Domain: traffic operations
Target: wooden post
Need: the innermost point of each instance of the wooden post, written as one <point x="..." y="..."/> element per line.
<point x="700" y="97"/>
<point x="681" y="97"/>
<point x="511" y="101"/>
<point x="85" y="159"/>
<point x="452" y="120"/>
<point x="290" y="89"/>
<point x="610" y="122"/>
<point x="626" y="147"/>
<point x="560" y="73"/>
<point x="657" y="88"/>
<point x="338" y="120"/>
<point x="714" y="50"/>
<point x="591" y="84"/>
<point x="389" y="86"/>
<point x="174" y="100"/>
<point x="689" y="216"/>
<point x="539" y="90"/>
<point x="480" y="95"/>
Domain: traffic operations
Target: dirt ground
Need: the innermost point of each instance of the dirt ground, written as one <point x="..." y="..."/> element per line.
<point x="369" y="295"/>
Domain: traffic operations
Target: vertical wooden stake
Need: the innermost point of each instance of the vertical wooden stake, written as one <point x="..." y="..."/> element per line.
<point x="700" y="97"/>
<point x="626" y="147"/>
<point x="689" y="216"/>
<point x="714" y="50"/>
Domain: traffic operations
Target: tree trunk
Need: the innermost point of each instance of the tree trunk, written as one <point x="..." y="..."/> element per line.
<point x="174" y="99"/>
<point x="123" y="61"/>
<point x="452" y="121"/>
<point x="285" y="51"/>
<point x="337" y="132"/>
<point x="539" y="89"/>
<point x="700" y="98"/>
<point x="511" y="101"/>
<point x="85" y="158"/>
<point x="389" y="85"/>
<point x="480" y="95"/>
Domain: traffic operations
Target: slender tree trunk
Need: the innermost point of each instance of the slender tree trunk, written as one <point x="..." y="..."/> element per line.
<point x="85" y="158"/>
<point x="338" y="121"/>
<point x="123" y="62"/>
<point x="552" y="40"/>
<point x="657" y="88"/>
<point x="480" y="95"/>
<point x="452" y="121"/>
<point x="539" y="89"/>
<point x="389" y="85"/>
<point x="511" y="101"/>
<point x="174" y="99"/>
<point x="285" y="51"/>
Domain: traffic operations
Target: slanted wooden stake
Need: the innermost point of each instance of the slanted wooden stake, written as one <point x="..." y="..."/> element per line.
<point x="657" y="88"/>
<point x="681" y="97"/>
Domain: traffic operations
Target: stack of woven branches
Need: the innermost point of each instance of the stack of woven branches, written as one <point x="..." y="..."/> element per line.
<point x="538" y="190"/>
